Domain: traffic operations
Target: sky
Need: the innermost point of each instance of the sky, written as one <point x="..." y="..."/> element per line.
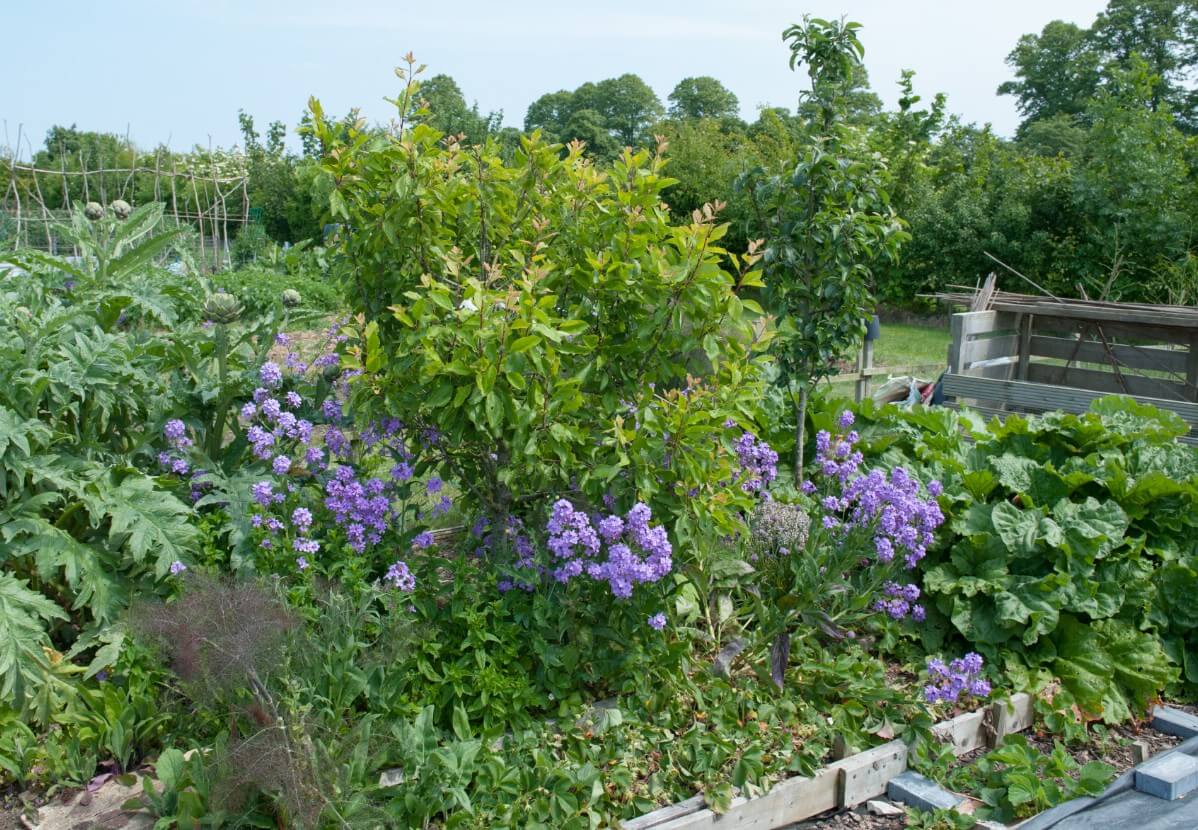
<point x="177" y="71"/>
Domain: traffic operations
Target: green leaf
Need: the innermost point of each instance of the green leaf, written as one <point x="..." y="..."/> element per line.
<point x="23" y="638"/>
<point x="147" y="521"/>
<point x="1091" y="528"/>
<point x="523" y="344"/>
<point x="169" y="768"/>
<point x="1018" y="529"/>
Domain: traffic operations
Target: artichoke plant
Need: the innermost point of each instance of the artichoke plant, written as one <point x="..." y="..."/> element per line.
<point x="291" y="298"/>
<point x="121" y="209"/>
<point x="222" y="308"/>
<point x="94" y="211"/>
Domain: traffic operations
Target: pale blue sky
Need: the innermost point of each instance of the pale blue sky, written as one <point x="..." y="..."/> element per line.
<point x="179" y="70"/>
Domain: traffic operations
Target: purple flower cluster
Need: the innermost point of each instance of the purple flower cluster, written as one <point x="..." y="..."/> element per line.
<point x="636" y="552"/>
<point x="959" y="677"/>
<point x="173" y="461"/>
<point x="361" y="508"/>
<point x="900" y="602"/>
<point x="400" y="578"/>
<point x="901" y="520"/>
<point x="758" y="462"/>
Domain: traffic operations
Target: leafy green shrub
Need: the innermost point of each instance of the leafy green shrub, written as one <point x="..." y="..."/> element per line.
<point x="541" y="314"/>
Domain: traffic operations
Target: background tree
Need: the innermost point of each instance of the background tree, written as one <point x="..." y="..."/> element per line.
<point x="825" y="218"/>
<point x="615" y="113"/>
<point x="1161" y="33"/>
<point x="1057" y="72"/>
<point x="287" y="210"/>
<point x="449" y="113"/>
<point x="702" y="97"/>
<point x="629" y="107"/>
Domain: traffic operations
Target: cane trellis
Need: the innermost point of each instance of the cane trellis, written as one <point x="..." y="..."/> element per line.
<point x="208" y="191"/>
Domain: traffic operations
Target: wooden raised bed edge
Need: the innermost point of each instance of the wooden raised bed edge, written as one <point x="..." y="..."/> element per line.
<point x="842" y="784"/>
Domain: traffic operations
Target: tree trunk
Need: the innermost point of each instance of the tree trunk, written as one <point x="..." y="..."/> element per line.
<point x="800" y="433"/>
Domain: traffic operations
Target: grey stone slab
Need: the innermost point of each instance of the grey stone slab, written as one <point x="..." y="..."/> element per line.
<point x="917" y="791"/>
<point x="1174" y="722"/>
<point x="1169" y="776"/>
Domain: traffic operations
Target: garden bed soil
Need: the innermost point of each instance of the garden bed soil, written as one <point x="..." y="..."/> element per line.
<point x="859" y="818"/>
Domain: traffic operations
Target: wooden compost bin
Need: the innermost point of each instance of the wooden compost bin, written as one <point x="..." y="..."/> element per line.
<point x="1026" y="356"/>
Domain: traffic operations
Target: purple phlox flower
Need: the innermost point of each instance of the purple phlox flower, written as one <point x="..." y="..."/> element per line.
<point x="263" y="493"/>
<point x="175" y="432"/>
<point x="400" y="578"/>
<point x="337" y="443"/>
<point x="301" y="563"/>
<point x="423" y="539"/>
<point x="301" y="517"/>
<point x="657" y="622"/>
<point x="899" y="601"/>
<point x="270" y="374"/>
<point x="293" y="400"/>
<point x="442" y="507"/>
<point x="947" y="683"/>
<point x="270" y="409"/>
<point x="249" y="410"/>
<point x="758" y="462"/>
<point x="280" y="465"/>
<point x="303" y="545"/>
<point x="636" y="551"/>
<point x="331" y="410"/>
<point x="177" y="568"/>
<point x="434" y="485"/>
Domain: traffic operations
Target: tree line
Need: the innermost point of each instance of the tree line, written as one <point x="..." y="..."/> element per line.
<point x="1094" y="194"/>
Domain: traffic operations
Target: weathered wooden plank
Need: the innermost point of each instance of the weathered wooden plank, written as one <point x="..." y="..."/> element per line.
<point x="1152" y="317"/>
<point x="865" y="775"/>
<point x="1025" y="352"/>
<point x="975" y="351"/>
<point x="789" y="801"/>
<point x="1046" y="323"/>
<point x="665" y="814"/>
<point x="964" y="731"/>
<point x="1002" y="368"/>
<point x="1040" y="396"/>
<point x="1106" y="382"/>
<point x="1012" y="715"/>
<point x="1152" y="358"/>
<point x="1192" y="370"/>
<point x="984" y="322"/>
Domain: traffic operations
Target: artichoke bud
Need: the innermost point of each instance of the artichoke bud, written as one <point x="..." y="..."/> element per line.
<point x="291" y="298"/>
<point x="222" y="307"/>
<point x="121" y="209"/>
<point x="94" y="211"/>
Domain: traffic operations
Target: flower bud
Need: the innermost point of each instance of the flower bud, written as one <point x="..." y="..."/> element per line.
<point x="121" y="209"/>
<point x="222" y="307"/>
<point x="94" y="211"/>
<point x="291" y="298"/>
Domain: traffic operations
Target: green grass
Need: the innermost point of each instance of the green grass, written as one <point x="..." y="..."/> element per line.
<point x="905" y="344"/>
